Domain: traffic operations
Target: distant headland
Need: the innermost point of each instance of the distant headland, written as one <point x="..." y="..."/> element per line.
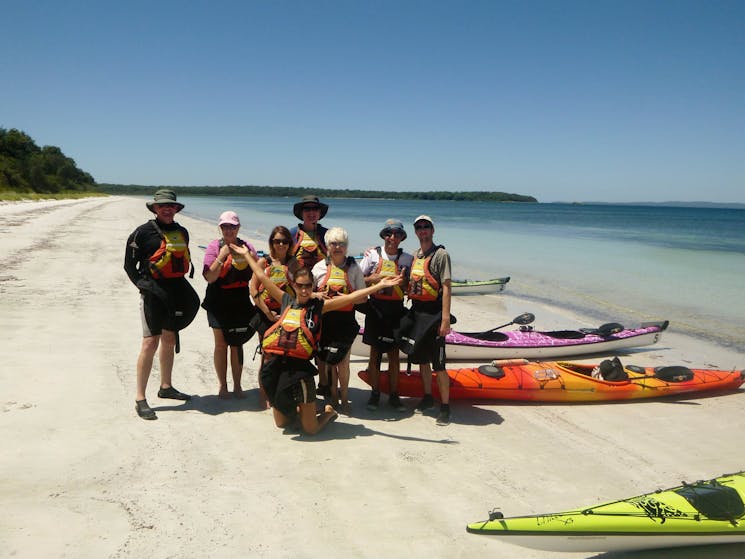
<point x="297" y="192"/>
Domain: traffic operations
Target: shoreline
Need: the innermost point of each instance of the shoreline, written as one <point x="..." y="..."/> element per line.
<point x="216" y="477"/>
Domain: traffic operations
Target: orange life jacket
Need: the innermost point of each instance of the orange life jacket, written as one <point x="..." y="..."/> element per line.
<point x="295" y="334"/>
<point x="388" y="268"/>
<point x="234" y="273"/>
<point x="423" y="286"/>
<point x="172" y="259"/>
<point x="280" y="276"/>
<point x="336" y="281"/>
<point x="307" y="250"/>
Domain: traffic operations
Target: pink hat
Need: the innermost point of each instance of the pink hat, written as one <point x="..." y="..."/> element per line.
<point x="229" y="218"/>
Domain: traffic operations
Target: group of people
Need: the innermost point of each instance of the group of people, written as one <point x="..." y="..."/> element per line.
<point x="300" y="299"/>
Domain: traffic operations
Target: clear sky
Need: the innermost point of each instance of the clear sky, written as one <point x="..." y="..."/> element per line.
<point x="562" y="100"/>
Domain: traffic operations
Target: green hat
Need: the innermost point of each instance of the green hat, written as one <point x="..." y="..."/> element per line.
<point x="164" y="196"/>
<point x="312" y="201"/>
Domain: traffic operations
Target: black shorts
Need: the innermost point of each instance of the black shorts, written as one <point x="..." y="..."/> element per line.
<point x="288" y="382"/>
<point x="154" y="316"/>
<point x="382" y="318"/>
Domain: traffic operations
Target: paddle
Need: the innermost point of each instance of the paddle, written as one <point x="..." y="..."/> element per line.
<point x="522" y="320"/>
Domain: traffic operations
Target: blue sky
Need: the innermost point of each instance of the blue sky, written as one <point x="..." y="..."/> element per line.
<point x="565" y="101"/>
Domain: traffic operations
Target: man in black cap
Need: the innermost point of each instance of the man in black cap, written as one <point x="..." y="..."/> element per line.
<point x="308" y="237"/>
<point x="156" y="261"/>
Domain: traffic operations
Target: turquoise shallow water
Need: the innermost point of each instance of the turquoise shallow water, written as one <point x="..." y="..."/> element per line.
<point x="616" y="263"/>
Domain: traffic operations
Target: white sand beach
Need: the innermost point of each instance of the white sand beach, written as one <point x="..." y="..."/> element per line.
<point x="81" y="476"/>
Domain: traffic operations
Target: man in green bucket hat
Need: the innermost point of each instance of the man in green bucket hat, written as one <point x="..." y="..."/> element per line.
<point x="157" y="260"/>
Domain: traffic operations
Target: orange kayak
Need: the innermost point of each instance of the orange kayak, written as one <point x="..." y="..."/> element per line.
<point x="559" y="381"/>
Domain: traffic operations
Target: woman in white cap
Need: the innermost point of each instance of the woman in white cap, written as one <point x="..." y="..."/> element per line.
<point x="228" y="301"/>
<point x="338" y="274"/>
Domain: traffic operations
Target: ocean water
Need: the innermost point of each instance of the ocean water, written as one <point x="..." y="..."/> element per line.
<point x="616" y="263"/>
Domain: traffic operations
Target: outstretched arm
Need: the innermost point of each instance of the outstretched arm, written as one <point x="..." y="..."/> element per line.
<point x="359" y="295"/>
<point x="275" y="292"/>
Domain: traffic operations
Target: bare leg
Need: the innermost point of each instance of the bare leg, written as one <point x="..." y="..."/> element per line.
<point x="333" y="375"/>
<point x="394" y="369"/>
<point x="313" y="423"/>
<point x="443" y="383"/>
<point x="165" y="357"/>
<point x="145" y="364"/>
<point x="342" y="369"/>
<point x="236" y="368"/>
<point x="280" y="419"/>
<point x="220" y="359"/>
<point x="373" y="369"/>
<point x="323" y="374"/>
<point x="426" y="372"/>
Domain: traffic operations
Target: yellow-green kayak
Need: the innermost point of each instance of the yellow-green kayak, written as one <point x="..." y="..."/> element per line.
<point x="700" y="513"/>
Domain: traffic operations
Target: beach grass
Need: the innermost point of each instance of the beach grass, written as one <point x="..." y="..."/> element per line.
<point x="13" y="196"/>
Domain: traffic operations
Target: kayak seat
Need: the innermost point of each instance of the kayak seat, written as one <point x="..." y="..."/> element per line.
<point x="612" y="370"/>
<point x="565" y="334"/>
<point x="491" y="371"/>
<point x="488" y="336"/>
<point x="604" y="330"/>
<point x="673" y="373"/>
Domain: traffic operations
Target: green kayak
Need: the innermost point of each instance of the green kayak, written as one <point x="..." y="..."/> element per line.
<point x="700" y="513"/>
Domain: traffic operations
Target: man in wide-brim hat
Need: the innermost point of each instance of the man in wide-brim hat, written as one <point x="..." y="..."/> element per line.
<point x="164" y="197"/>
<point x="157" y="260"/>
<point x="309" y="246"/>
<point x="310" y="202"/>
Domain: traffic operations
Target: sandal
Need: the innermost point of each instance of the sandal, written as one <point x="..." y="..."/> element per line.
<point x="144" y="410"/>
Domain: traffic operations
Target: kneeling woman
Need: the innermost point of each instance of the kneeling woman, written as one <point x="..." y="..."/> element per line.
<point x="290" y="344"/>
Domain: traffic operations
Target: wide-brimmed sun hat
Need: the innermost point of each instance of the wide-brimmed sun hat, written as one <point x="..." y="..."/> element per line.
<point x="164" y="196"/>
<point x="393" y="225"/>
<point x="309" y="200"/>
<point x="228" y="218"/>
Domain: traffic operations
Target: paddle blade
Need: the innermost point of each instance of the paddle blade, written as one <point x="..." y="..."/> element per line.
<point x="523" y="319"/>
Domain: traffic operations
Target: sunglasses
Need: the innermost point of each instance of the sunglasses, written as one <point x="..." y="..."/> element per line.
<point x="337" y="244"/>
<point x="304" y="285"/>
<point x="280" y="242"/>
<point x="229" y="226"/>
<point x="389" y="232"/>
<point x="166" y="205"/>
<point x="423" y="226"/>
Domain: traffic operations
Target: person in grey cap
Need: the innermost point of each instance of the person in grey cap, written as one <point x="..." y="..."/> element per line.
<point x="156" y="261"/>
<point x="428" y="321"/>
<point x="385" y="309"/>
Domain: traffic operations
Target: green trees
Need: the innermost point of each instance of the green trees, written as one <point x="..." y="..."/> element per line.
<point x="296" y="192"/>
<point x="25" y="167"/>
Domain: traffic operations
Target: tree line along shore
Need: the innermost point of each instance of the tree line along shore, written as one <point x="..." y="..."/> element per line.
<point x="28" y="171"/>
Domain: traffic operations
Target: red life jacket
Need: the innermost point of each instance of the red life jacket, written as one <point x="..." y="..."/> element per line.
<point x="172" y="259"/>
<point x="388" y="268"/>
<point x="234" y="273"/>
<point x="296" y="333"/>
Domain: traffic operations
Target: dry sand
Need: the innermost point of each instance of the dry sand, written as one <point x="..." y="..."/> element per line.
<point x="82" y="476"/>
